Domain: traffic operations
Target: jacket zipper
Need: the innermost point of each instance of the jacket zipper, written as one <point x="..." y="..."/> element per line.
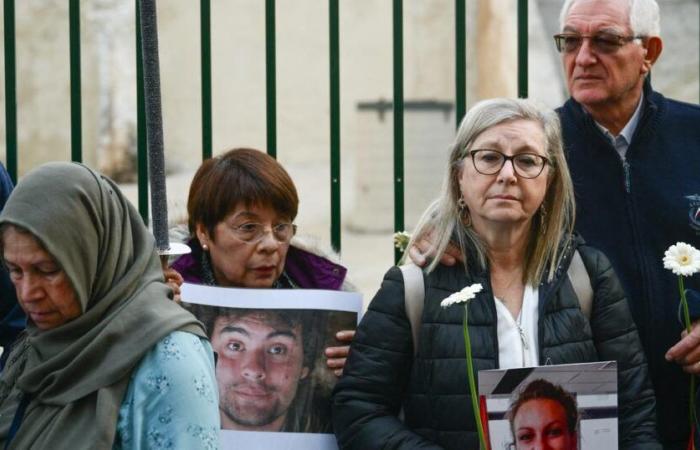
<point x="626" y="169"/>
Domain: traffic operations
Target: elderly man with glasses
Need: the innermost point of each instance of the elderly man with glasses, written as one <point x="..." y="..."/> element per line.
<point x="634" y="157"/>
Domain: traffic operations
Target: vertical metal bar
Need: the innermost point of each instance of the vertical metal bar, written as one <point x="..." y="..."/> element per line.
<point x="522" y="49"/>
<point x="334" y="62"/>
<point x="10" y="90"/>
<point x="270" y="73"/>
<point x="460" y="61"/>
<point x="205" y="30"/>
<point x="75" y="101"/>
<point x="398" y="121"/>
<point x="142" y="155"/>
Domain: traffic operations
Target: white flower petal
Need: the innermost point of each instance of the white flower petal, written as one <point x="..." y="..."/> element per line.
<point x="682" y="259"/>
<point x="462" y="296"/>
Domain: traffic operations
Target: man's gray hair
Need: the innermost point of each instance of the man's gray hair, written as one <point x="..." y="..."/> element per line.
<point x="644" y="18"/>
<point x="443" y="217"/>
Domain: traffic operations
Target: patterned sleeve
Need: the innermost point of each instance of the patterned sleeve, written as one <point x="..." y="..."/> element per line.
<point x="172" y="400"/>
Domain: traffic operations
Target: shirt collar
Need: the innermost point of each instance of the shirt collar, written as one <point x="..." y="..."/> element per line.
<point x="629" y="129"/>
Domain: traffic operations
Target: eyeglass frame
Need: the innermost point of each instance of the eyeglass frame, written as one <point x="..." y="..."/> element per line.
<point x="510" y="158"/>
<point x="256" y="240"/>
<point x="621" y="41"/>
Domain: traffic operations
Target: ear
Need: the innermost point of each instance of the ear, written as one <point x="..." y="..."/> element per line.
<point x="304" y="373"/>
<point x="202" y="234"/>
<point x="653" y="46"/>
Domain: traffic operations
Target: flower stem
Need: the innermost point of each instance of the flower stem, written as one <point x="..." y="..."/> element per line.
<point x="470" y="375"/>
<point x="686" y="317"/>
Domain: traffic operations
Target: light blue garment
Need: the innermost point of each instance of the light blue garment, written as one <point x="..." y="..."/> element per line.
<point x="172" y="400"/>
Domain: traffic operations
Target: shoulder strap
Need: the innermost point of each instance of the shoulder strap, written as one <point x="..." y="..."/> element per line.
<point x="581" y="282"/>
<point x="414" y="293"/>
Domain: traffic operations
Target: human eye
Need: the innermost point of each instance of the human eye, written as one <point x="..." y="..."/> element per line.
<point x="571" y="41"/>
<point x="488" y="156"/>
<point x="248" y="230"/>
<point x="278" y="350"/>
<point x="234" y="346"/>
<point x="48" y="270"/>
<point x="555" y="432"/>
<point x="283" y="230"/>
<point x="525" y="436"/>
<point x="607" y="41"/>
<point x="14" y="271"/>
<point x="527" y="160"/>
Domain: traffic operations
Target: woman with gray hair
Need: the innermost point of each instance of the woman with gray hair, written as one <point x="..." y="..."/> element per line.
<point x="507" y="203"/>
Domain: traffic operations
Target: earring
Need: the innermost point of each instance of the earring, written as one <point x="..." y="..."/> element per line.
<point x="461" y="204"/>
<point x="464" y="212"/>
<point x="205" y="247"/>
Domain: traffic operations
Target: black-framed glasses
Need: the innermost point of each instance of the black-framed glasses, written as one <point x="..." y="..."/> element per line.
<point x="490" y="162"/>
<point x="253" y="232"/>
<point x="600" y="42"/>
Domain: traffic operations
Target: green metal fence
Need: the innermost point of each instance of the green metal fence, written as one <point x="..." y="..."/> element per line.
<point x="270" y="62"/>
<point x="460" y="14"/>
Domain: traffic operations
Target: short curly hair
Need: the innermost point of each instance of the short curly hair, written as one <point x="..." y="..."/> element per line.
<point x="540" y="388"/>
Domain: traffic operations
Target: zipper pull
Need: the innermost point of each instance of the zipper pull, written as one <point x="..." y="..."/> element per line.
<point x="626" y="169"/>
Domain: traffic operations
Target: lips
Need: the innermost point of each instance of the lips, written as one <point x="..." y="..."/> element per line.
<point x="252" y="390"/>
<point x="265" y="270"/>
<point x="503" y="197"/>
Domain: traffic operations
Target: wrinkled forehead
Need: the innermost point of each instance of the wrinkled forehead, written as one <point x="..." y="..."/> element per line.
<point x="588" y="16"/>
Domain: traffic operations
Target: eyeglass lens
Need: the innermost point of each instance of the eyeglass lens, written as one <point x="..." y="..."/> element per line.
<point x="254" y="232"/>
<point x="601" y="42"/>
<point x="490" y="162"/>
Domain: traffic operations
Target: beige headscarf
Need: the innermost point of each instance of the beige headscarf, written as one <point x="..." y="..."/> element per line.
<point x="77" y="373"/>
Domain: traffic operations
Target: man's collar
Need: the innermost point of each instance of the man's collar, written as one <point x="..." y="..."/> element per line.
<point x="628" y="130"/>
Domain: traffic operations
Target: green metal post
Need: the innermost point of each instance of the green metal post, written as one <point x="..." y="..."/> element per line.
<point x="522" y="49"/>
<point x="460" y="61"/>
<point x="270" y="72"/>
<point x="141" y="148"/>
<point x="398" y="121"/>
<point x="205" y="30"/>
<point x="10" y="90"/>
<point x="75" y="101"/>
<point x="334" y="58"/>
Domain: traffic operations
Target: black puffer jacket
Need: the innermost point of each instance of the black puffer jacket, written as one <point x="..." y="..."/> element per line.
<point x="381" y="375"/>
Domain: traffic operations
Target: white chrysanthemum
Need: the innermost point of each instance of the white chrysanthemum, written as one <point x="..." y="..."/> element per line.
<point x="401" y="239"/>
<point x="682" y="259"/>
<point x="462" y="296"/>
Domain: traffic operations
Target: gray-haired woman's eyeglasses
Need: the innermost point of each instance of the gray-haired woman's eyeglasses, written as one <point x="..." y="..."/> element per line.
<point x="490" y="162"/>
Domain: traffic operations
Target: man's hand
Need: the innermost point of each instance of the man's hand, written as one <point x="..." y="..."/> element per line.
<point x="687" y="351"/>
<point x="338" y="355"/>
<point x="174" y="280"/>
<point x="423" y="248"/>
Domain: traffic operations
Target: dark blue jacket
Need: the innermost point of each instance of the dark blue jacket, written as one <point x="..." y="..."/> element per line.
<point x="12" y="319"/>
<point x="633" y="211"/>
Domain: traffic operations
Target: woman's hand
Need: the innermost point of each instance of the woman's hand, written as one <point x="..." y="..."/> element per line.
<point x="337" y="355"/>
<point x="174" y="280"/>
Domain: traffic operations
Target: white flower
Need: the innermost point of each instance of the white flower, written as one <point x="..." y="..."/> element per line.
<point x="401" y="239"/>
<point x="682" y="259"/>
<point x="462" y="296"/>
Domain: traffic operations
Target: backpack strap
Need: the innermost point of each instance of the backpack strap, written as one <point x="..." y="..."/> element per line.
<point x="414" y="293"/>
<point x="581" y="282"/>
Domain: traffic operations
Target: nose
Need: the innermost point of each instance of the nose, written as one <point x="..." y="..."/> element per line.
<point x="28" y="289"/>
<point x="254" y="365"/>
<point x="585" y="55"/>
<point x="268" y="242"/>
<point x="507" y="172"/>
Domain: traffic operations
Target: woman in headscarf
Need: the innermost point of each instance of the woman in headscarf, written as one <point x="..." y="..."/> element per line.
<point x="107" y="359"/>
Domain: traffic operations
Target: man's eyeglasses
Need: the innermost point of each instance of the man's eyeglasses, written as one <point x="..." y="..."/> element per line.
<point x="252" y="232"/>
<point x="490" y="162"/>
<point x="600" y="42"/>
